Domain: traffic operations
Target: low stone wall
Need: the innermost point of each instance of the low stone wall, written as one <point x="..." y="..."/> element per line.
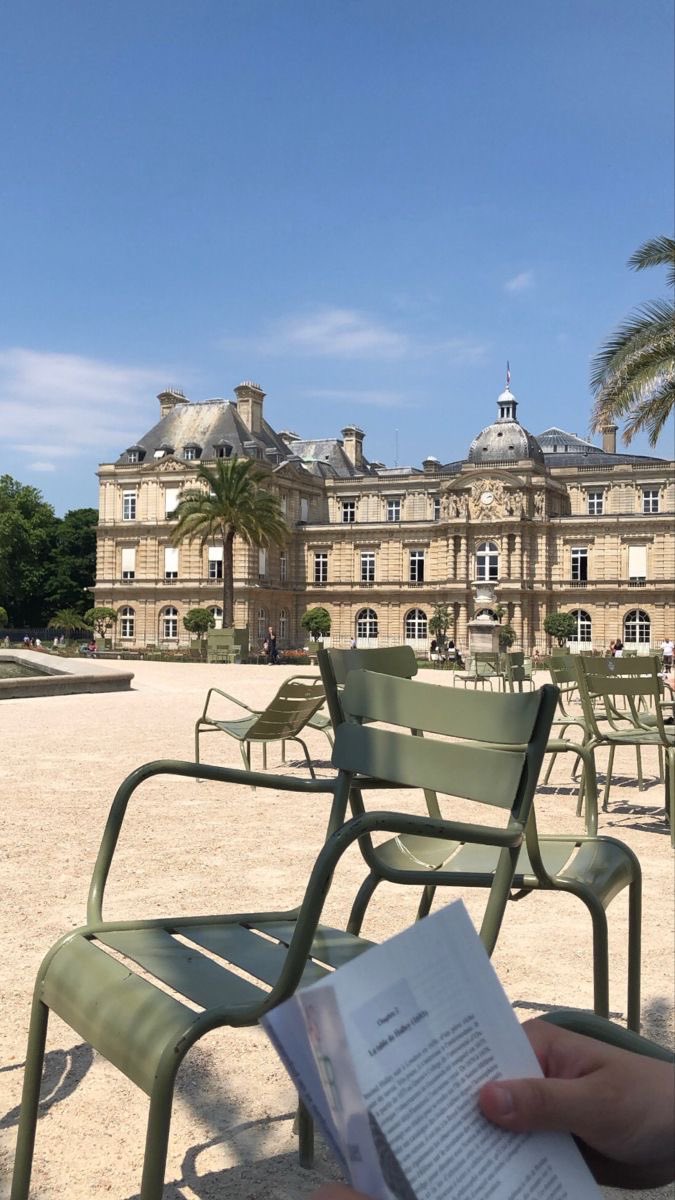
<point x="69" y="678"/>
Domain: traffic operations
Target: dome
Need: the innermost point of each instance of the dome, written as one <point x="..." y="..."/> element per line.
<point x="505" y="440"/>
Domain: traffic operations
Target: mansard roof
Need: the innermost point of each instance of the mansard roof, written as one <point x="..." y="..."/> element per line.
<point x="327" y="457"/>
<point x="205" y="425"/>
<point x="563" y="449"/>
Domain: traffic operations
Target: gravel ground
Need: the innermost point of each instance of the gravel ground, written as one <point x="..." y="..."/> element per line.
<point x="202" y="847"/>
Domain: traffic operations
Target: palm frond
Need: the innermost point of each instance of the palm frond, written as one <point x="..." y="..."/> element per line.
<point x="651" y="416"/>
<point x="657" y="252"/>
<point x="646" y="326"/>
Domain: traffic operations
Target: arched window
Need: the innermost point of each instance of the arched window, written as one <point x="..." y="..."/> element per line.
<point x="217" y="614"/>
<point x="487" y="561"/>
<point x="127" y="622"/>
<point x="262" y="623"/>
<point x="283" y="624"/>
<point x="366" y="624"/>
<point x="415" y="624"/>
<point x="584" y="629"/>
<point x="170" y="623"/>
<point x="637" y="627"/>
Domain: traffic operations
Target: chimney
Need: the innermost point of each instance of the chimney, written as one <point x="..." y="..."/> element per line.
<point x="609" y="439"/>
<point x="250" y="398"/>
<point x="353" y="444"/>
<point x="169" y="399"/>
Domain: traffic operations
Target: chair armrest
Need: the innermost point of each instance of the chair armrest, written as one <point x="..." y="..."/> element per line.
<point x="214" y="691"/>
<point x="189" y="770"/>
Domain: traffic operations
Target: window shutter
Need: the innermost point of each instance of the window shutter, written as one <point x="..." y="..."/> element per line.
<point x="129" y="558"/>
<point x="170" y="499"/>
<point x="637" y="562"/>
<point x="171" y="558"/>
<point x="262" y="562"/>
<point x="215" y="553"/>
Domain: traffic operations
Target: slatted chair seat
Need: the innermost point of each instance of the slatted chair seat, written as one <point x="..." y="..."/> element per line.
<point x="142" y="992"/>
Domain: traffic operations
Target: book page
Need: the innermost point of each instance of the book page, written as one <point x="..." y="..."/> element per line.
<point x="406" y="1035"/>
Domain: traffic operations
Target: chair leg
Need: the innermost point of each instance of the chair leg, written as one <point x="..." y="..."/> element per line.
<point x="197" y="731"/>
<point x="157" y="1134"/>
<point x="245" y="748"/>
<point x="30" y="1100"/>
<point x="552" y="759"/>
<point x="641" y="782"/>
<point x="600" y="957"/>
<point x="305" y="1128"/>
<point x="608" y="779"/>
<point x="363" y="898"/>
<point x="426" y="901"/>
<point x="307" y="758"/>
<point x="634" y="953"/>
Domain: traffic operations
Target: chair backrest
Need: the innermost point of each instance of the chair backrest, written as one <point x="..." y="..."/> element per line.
<point x="603" y="681"/>
<point x="494" y="758"/>
<point x="289" y="711"/>
<point x="335" y="665"/>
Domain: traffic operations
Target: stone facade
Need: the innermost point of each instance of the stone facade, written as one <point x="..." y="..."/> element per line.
<point x="554" y="521"/>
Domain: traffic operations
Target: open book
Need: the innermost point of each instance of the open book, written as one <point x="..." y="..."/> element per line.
<point x="388" y="1054"/>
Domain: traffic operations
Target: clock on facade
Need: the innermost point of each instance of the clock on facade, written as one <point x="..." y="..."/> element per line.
<point x="486" y="498"/>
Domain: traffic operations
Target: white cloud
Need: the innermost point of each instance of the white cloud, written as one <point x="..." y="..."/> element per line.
<point x="327" y="333"/>
<point x="374" y="398"/>
<point x="520" y="283"/>
<point x="71" y="404"/>
<point x="348" y="333"/>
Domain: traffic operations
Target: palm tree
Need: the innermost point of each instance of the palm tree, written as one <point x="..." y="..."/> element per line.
<point x="633" y="374"/>
<point x="232" y="504"/>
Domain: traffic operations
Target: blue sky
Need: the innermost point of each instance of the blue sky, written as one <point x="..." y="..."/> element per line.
<point x="366" y="206"/>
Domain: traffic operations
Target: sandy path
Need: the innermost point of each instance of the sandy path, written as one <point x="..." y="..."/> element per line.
<point x="198" y="846"/>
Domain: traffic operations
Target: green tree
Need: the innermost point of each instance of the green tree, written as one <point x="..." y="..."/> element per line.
<point x="69" y="620"/>
<point x="101" y="620"/>
<point x="27" y="534"/>
<point x="231" y="503"/>
<point x="198" y="621"/>
<point x="633" y="374"/>
<point x="4" y="618"/>
<point x="439" y="622"/>
<point x="72" y="562"/>
<point x="560" y="625"/>
<point x="507" y="636"/>
<point x="317" y="622"/>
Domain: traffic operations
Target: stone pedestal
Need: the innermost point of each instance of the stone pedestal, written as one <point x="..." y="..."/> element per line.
<point x="483" y="637"/>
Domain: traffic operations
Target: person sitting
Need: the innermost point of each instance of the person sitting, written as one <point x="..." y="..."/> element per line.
<point x="618" y="1105"/>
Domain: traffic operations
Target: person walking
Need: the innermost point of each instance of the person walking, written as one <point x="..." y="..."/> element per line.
<point x="271" y="647"/>
<point x="667" y="650"/>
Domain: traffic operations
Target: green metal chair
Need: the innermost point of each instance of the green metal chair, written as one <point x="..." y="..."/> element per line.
<point x="517" y="670"/>
<point x="296" y="703"/>
<point x="603" y="683"/>
<point x="595" y="869"/>
<point x="142" y="992"/>
<point x="483" y="667"/>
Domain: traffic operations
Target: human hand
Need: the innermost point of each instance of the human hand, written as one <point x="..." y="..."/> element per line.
<point x="620" y="1106"/>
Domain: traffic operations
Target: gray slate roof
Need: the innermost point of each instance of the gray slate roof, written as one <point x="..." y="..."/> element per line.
<point x="206" y="424"/>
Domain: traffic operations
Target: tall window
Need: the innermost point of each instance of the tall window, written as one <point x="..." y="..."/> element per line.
<point x="128" y="562"/>
<point x="487" y="561"/>
<point x="190" y="453"/>
<point x="579" y="564"/>
<point x="283" y="566"/>
<point x="170" y="500"/>
<point x="437" y="508"/>
<point x="417" y="566"/>
<point x="217" y="614"/>
<point x="595" y="504"/>
<point x="215" y="562"/>
<point x="637" y="627"/>
<point x="283" y="503"/>
<point x="637" y="564"/>
<point x="262" y="562"/>
<point x="262" y="623"/>
<point x="171" y="562"/>
<point x="304" y="509"/>
<point x="366" y="624"/>
<point x="416" y="626"/>
<point x="170" y="623"/>
<point x="394" y="509"/>
<point x="128" y="506"/>
<point x="650" y="500"/>
<point x="127" y="622"/>
<point x="321" y="568"/>
<point x="367" y="566"/>
<point x="283" y="624"/>
<point x="584" y="627"/>
<point x="348" y="511"/>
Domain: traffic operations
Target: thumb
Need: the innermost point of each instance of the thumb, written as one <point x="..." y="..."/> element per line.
<point x="552" y="1104"/>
